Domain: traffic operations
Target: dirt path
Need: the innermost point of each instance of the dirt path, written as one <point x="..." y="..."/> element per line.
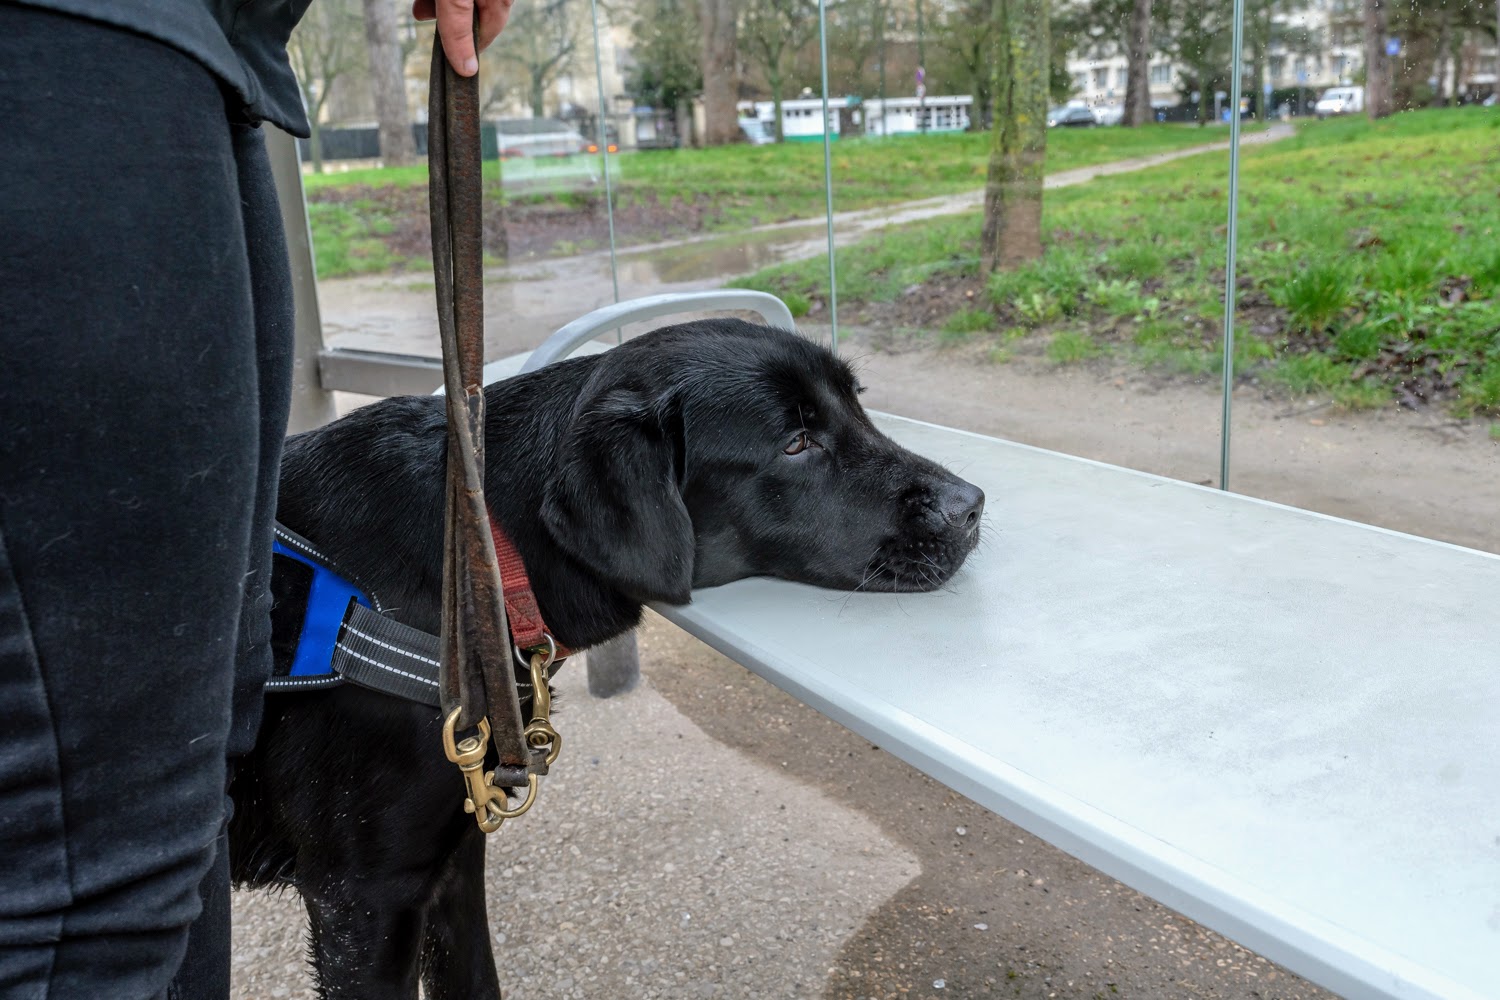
<point x="528" y="299"/>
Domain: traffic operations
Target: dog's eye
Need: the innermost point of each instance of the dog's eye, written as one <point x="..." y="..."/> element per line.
<point x="800" y="444"/>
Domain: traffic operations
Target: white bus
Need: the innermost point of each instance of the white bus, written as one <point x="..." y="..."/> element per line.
<point x="802" y="118"/>
<point x="903" y="115"/>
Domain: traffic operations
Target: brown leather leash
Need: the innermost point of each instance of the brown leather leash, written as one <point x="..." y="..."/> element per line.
<point x="477" y="682"/>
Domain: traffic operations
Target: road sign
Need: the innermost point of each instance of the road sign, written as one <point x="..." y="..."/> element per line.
<point x="1393" y="46"/>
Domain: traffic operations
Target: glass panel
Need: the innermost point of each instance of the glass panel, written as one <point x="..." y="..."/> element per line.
<point x="1108" y="343"/>
<point x="368" y="212"/>
<point x="705" y="193"/>
<point x="1370" y="276"/>
<point x="546" y="219"/>
<point x="544" y="99"/>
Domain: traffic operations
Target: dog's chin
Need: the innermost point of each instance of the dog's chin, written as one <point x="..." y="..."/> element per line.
<point x="911" y="567"/>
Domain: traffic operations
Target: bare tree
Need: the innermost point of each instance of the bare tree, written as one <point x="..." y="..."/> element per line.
<point x="388" y="81"/>
<point x="774" y="31"/>
<point x="324" y="48"/>
<point x="721" y="79"/>
<point x="961" y="34"/>
<point x="540" y="40"/>
<point x="856" y="31"/>
<point x="1379" y="94"/>
<point x="1137" y="109"/>
<point x="1020" y="33"/>
<point x="1197" y="36"/>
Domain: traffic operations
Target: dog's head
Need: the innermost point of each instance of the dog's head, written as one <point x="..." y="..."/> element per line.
<point x="718" y="450"/>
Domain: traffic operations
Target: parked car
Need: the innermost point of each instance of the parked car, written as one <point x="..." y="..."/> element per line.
<point x="1340" y="101"/>
<point x="611" y="140"/>
<point x="1109" y="114"/>
<point x="1071" y="116"/>
<point x="537" y="137"/>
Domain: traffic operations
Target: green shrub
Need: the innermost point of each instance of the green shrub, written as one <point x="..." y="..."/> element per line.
<point x="1069" y="347"/>
<point x="1117" y="297"/>
<point x="1316" y="295"/>
<point x="1481" y="391"/>
<point x="1137" y="260"/>
<point x="1360" y="341"/>
<point x="1308" y="373"/>
<point x="1038" y="309"/>
<point x="967" y="321"/>
<point x="1410" y="270"/>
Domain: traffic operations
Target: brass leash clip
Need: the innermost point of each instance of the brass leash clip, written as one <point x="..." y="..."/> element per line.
<point x="489" y="803"/>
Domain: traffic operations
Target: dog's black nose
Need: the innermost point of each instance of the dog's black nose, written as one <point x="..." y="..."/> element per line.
<point x="962" y="505"/>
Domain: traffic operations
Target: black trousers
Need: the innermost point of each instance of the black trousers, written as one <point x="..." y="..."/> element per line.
<point x="145" y="362"/>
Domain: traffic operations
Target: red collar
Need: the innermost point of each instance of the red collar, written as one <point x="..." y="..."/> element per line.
<point x="526" y="626"/>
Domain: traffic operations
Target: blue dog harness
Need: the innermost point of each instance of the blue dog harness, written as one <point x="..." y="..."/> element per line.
<point x="327" y="602"/>
<point x="345" y="635"/>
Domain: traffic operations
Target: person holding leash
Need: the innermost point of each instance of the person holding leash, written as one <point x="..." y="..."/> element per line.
<point x="145" y="377"/>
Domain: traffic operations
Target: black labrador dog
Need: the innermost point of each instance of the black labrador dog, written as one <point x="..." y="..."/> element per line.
<point x="693" y="456"/>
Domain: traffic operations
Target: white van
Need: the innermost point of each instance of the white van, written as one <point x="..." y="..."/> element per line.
<point x="1340" y="101"/>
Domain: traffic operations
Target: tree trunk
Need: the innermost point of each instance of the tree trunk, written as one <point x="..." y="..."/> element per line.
<point x="388" y="80"/>
<point x="1258" y="71"/>
<point x="1138" y="70"/>
<point x="773" y="77"/>
<point x="1440" y="50"/>
<point x="538" y="94"/>
<point x="1455" y="61"/>
<point x="315" y="143"/>
<point x="720" y="73"/>
<point x="1013" y="192"/>
<point x="1378" y="96"/>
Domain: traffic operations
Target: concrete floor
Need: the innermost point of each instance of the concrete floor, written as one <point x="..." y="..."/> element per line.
<point x="768" y="852"/>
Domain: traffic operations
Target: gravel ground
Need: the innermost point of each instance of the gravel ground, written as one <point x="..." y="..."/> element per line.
<point x="706" y="835"/>
<point x="658" y="863"/>
<point x="994" y="912"/>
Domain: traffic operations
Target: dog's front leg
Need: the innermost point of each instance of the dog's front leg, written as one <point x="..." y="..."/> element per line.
<point x="457" y="963"/>
<point x="365" y="939"/>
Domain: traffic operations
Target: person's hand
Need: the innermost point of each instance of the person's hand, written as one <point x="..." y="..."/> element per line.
<point x="455" y="25"/>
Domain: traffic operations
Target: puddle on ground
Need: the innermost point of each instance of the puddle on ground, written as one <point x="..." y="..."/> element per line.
<point x="722" y="257"/>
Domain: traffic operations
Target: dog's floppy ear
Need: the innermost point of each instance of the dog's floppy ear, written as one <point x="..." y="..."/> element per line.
<point x="613" y="501"/>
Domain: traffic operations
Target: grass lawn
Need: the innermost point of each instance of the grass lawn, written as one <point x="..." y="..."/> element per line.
<point x="1369" y="266"/>
<point x="363" y="220"/>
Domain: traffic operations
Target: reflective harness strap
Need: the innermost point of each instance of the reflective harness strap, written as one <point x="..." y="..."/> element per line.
<point x="377" y="652"/>
<point x="345" y="637"/>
